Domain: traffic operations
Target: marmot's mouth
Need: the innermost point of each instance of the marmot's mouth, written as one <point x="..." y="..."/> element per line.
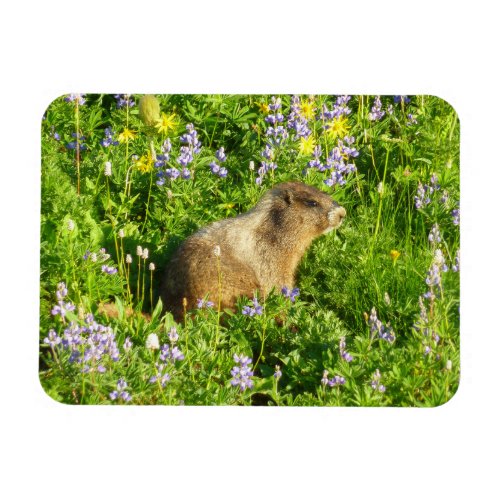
<point x="335" y="217"/>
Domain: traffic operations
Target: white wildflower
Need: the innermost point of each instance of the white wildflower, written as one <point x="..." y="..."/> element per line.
<point x="152" y="342"/>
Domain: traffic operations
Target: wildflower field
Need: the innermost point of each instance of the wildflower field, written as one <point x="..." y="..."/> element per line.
<point x="374" y="317"/>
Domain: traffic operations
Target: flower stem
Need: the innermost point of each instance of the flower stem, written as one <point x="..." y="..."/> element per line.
<point x="379" y="215"/>
<point x="263" y="337"/>
<point x="153" y="156"/>
<point x="77" y="119"/>
<point x="151" y="290"/>
<point x="137" y="293"/>
<point x="143" y="283"/>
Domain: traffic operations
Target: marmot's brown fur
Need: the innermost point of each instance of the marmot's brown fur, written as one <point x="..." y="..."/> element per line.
<point x="259" y="249"/>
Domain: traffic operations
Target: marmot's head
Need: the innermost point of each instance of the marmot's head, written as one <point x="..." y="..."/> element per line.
<point x="305" y="208"/>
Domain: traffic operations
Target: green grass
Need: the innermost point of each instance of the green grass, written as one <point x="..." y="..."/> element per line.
<point x="379" y="259"/>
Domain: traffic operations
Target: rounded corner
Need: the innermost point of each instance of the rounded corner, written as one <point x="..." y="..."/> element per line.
<point x="451" y="397"/>
<point x="447" y="102"/>
<point x="44" y="391"/>
<point x="49" y="104"/>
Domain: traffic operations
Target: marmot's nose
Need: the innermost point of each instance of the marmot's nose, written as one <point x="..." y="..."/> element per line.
<point x="340" y="211"/>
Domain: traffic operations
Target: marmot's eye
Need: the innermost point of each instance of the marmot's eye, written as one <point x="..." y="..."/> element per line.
<point x="311" y="203"/>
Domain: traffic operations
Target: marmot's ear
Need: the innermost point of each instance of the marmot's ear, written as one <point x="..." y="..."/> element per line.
<point x="287" y="195"/>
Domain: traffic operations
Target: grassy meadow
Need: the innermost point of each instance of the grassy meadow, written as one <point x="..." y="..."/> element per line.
<point x="374" y="320"/>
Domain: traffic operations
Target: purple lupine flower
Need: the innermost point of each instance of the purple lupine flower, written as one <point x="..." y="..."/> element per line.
<point x="109" y="269"/>
<point x="296" y="120"/>
<point x="108" y="138"/>
<point x="423" y="326"/>
<point x="336" y="162"/>
<point x="275" y="103"/>
<point x="290" y="294"/>
<point x="316" y="162"/>
<point x="324" y="379"/>
<point x="252" y="311"/>
<point x="434" y="182"/>
<point x="52" y="338"/>
<point x="62" y="308"/>
<point x="61" y="291"/>
<point x="433" y="276"/>
<point x="376" y="111"/>
<point x="264" y="169"/>
<point x="377" y="328"/>
<point x="100" y="341"/>
<point x="166" y="147"/>
<point x="424" y="192"/>
<point x="185" y="157"/>
<point x="435" y="235"/>
<point x="241" y="374"/>
<point x="220" y="155"/>
<point x="343" y="353"/>
<point x="191" y="138"/>
<point x="277" y="134"/>
<point x="120" y="393"/>
<point x="277" y="372"/>
<point x="375" y="382"/>
<point x="336" y="380"/>
<point x="124" y="100"/>
<point x="204" y="304"/>
<point x="171" y="354"/>
<point x="398" y="99"/>
<point x="79" y="140"/>
<point x="456" y="216"/>
<point x="268" y="152"/>
<point x="218" y="170"/>
<point x="173" y="335"/>
<point x="172" y="173"/>
<point x="214" y="168"/>
<point x="274" y="119"/>
<point x="75" y="98"/>
<point x="247" y="311"/>
<point x="176" y="354"/>
<point x="420" y="199"/>
<point x="347" y="150"/>
<point x="411" y="120"/>
<point x="339" y="108"/>
<point x="127" y="345"/>
<point x="433" y="279"/>
<point x="162" y="376"/>
<point x="160" y="181"/>
<point x="456" y="266"/>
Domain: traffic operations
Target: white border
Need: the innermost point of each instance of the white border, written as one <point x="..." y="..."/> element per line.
<point x="54" y="451"/>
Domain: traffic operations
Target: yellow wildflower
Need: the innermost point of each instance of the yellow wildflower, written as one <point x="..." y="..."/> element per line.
<point x="264" y="108"/>
<point x="166" y="123"/>
<point x="394" y="255"/>
<point x="145" y="163"/>
<point x="127" y="135"/>
<point x="307" y="109"/>
<point x="338" y="128"/>
<point x="307" y="145"/>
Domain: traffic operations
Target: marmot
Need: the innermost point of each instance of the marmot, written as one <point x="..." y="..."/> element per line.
<point x="257" y="250"/>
